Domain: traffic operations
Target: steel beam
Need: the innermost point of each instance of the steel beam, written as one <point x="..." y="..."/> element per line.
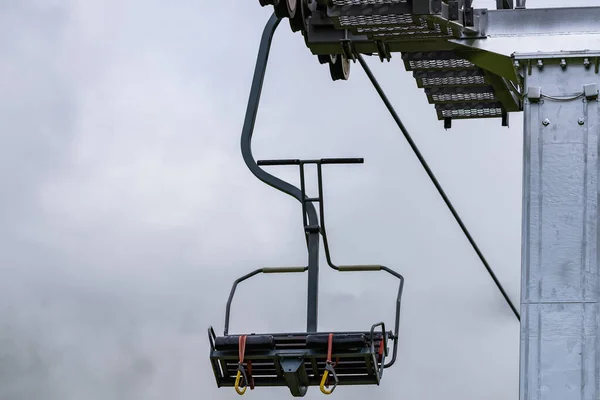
<point x="542" y="21"/>
<point x="539" y="29"/>
<point x="560" y="294"/>
<point x="536" y="29"/>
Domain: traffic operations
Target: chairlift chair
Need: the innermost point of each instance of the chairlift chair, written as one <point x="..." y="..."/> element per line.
<point x="311" y="358"/>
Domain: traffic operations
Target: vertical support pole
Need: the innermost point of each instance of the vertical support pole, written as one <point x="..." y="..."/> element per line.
<point x="560" y="292"/>
<point x="313" y="282"/>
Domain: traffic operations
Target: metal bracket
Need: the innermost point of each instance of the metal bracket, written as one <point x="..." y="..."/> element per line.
<point x="590" y="91"/>
<point x="534" y="93"/>
<point x="383" y="51"/>
<point x="426" y="7"/>
<point x="348" y="49"/>
<point x="294" y="373"/>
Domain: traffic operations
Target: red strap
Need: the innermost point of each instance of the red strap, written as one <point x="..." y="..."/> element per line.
<point x="242" y="344"/>
<point x="381" y="345"/>
<point x="329" y="351"/>
<point x="242" y="352"/>
<point x="250" y="375"/>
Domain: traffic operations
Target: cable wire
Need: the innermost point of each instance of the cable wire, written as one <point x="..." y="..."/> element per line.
<point x="436" y="183"/>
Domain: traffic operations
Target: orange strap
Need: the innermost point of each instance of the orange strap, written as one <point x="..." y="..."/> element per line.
<point x="329" y="351"/>
<point x="329" y="347"/>
<point x="242" y="345"/>
<point x="329" y="369"/>
<point x="242" y="353"/>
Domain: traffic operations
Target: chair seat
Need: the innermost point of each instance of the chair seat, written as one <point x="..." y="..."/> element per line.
<point x="254" y="342"/>
<point x="356" y="361"/>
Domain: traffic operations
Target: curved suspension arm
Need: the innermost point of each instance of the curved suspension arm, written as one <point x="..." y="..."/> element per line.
<point x="250" y="119"/>
<point x="312" y="239"/>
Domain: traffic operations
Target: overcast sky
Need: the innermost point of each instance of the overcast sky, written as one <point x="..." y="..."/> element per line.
<point x="127" y="210"/>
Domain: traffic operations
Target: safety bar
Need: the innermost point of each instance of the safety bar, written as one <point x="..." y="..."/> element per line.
<point x="266" y="270"/>
<point x="383" y="343"/>
<point x="357" y="268"/>
<point x="323" y="231"/>
<point x="320" y="161"/>
<point x="341" y="268"/>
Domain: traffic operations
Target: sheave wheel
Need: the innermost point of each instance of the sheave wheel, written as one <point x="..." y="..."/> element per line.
<point x="298" y="20"/>
<point x="324" y="58"/>
<point x="286" y="8"/>
<point x="339" y="67"/>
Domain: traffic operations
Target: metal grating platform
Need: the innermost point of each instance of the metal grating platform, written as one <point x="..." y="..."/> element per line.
<point x="460" y="94"/>
<point x="374" y="21"/>
<point x="440" y="60"/>
<point x="392" y="26"/>
<point x="364" y="2"/>
<point x="469" y="110"/>
<point x="458" y="88"/>
<point x="428" y="79"/>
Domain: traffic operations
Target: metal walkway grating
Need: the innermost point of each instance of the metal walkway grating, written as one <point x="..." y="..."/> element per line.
<point x="460" y="94"/>
<point x="469" y="110"/>
<point x="392" y="26"/>
<point x="472" y="77"/>
<point x="458" y="88"/>
<point x="398" y="14"/>
<point x="364" y="2"/>
<point x="442" y="60"/>
<point x="371" y="21"/>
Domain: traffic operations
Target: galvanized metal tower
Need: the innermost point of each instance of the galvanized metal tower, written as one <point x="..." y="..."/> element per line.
<point x="479" y="63"/>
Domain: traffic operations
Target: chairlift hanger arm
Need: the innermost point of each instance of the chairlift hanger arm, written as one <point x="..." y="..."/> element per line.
<point x="309" y="212"/>
<point x="250" y="119"/>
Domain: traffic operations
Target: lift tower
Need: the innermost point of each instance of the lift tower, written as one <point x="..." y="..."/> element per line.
<point x="481" y="63"/>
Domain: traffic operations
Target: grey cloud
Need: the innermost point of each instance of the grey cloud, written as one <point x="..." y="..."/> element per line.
<point x="127" y="210"/>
